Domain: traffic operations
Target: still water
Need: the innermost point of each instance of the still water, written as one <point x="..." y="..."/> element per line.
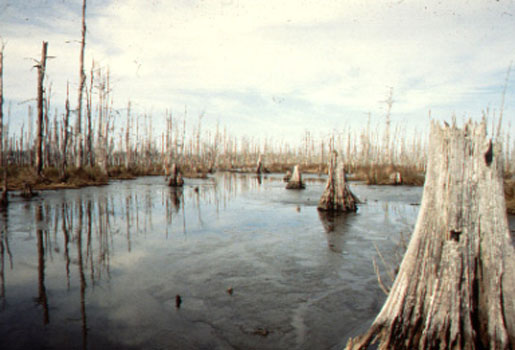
<point x="256" y="266"/>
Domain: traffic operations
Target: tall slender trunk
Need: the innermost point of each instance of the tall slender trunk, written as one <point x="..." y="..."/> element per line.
<point x="1" y="104"/>
<point x="127" y="138"/>
<point x="39" y="141"/>
<point x="82" y="81"/>
<point x="66" y="123"/>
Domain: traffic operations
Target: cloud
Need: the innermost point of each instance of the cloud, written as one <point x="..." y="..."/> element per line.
<point x="329" y="62"/>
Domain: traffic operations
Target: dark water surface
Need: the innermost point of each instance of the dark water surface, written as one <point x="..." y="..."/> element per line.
<point x="100" y="267"/>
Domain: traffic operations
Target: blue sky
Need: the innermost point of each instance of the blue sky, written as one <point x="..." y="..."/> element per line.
<point x="273" y="68"/>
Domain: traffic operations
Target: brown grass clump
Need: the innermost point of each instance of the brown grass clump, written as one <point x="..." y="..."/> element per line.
<point x="19" y="178"/>
<point x="386" y="175"/>
<point x="509" y="195"/>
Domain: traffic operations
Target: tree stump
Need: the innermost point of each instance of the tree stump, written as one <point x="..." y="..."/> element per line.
<point x="295" y="182"/>
<point x="287" y="176"/>
<point x="456" y="285"/>
<point x="259" y="166"/>
<point x="337" y="196"/>
<point x="175" y="179"/>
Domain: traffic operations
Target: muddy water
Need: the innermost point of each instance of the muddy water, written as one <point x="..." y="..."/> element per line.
<point x="101" y="267"/>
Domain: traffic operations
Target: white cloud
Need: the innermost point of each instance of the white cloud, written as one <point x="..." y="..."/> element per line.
<point x="229" y="56"/>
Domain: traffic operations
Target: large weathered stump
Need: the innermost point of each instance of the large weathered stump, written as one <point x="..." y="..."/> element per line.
<point x="456" y="285"/>
<point x="175" y="179"/>
<point x="295" y="181"/>
<point x="337" y="196"/>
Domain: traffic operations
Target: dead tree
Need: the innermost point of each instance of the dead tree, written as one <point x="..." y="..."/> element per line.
<point x="39" y="141"/>
<point x="4" y="197"/>
<point x="259" y="166"/>
<point x="1" y="104"/>
<point x="175" y="179"/>
<point x="337" y="196"/>
<point x="66" y="122"/>
<point x="82" y="82"/>
<point x="295" y="181"/>
<point x="455" y="286"/>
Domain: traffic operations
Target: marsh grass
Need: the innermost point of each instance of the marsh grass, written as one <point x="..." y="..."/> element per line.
<point x="384" y="175"/>
<point x="509" y="195"/>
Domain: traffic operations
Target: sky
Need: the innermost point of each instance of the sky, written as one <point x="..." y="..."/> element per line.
<point x="272" y="68"/>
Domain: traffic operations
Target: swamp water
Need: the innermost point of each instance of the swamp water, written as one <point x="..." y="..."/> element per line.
<point x="100" y="267"/>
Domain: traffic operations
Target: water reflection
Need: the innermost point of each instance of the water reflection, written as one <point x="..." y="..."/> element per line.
<point x="107" y="261"/>
<point x="42" y="296"/>
<point x="4" y="250"/>
<point x="335" y="226"/>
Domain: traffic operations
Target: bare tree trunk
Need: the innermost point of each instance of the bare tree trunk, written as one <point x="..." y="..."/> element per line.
<point x="1" y="104"/>
<point x="128" y="159"/>
<point x="39" y="141"/>
<point x="89" y="108"/>
<point x="82" y="81"/>
<point x="3" y="163"/>
<point x="66" y="123"/>
<point x="455" y="286"/>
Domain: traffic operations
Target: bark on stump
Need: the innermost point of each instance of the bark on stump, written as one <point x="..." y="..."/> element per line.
<point x="456" y="285"/>
<point x="337" y="196"/>
<point x="287" y="176"/>
<point x="175" y="177"/>
<point x="295" y="182"/>
<point x="259" y="165"/>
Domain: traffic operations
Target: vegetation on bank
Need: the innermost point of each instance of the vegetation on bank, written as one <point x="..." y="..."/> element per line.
<point x="509" y="195"/>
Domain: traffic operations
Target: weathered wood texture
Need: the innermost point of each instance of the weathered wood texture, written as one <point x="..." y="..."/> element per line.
<point x="295" y="181"/>
<point x="175" y="179"/>
<point x="1" y="103"/>
<point x="337" y="196"/>
<point x="82" y="82"/>
<point x="456" y="285"/>
<point x="39" y="141"/>
<point x="259" y="165"/>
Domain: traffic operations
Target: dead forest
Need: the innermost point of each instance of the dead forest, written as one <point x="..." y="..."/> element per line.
<point x="64" y="144"/>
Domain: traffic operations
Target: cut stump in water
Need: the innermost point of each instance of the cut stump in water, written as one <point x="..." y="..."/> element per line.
<point x="175" y="179"/>
<point x="456" y="285"/>
<point x="287" y="176"/>
<point x="337" y="196"/>
<point x="295" y="181"/>
<point x="259" y="165"/>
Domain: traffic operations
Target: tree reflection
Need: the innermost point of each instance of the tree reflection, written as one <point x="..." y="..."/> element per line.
<point x="82" y="277"/>
<point x="335" y="226"/>
<point x="4" y="249"/>
<point x="42" y="295"/>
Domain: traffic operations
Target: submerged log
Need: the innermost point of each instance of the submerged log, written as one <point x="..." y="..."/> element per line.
<point x="456" y="284"/>
<point x="337" y="196"/>
<point x="295" y="182"/>
<point x="175" y="179"/>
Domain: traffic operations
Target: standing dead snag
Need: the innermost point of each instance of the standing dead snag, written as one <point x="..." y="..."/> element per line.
<point x="175" y="177"/>
<point x="337" y="196"/>
<point x="295" y="181"/>
<point x="455" y="286"/>
<point x="39" y="141"/>
<point x="4" y="197"/>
